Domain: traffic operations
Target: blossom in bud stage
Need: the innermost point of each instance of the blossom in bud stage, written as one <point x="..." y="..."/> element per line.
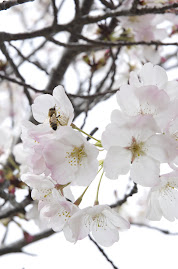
<point x="56" y="109"/>
<point x="135" y="146"/>
<point x="28" y="237"/>
<point x="163" y="199"/>
<point x="70" y="158"/>
<point x="102" y="221"/>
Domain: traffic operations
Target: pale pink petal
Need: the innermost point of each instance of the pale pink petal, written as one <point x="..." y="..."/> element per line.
<point x="152" y="100"/>
<point x="168" y="202"/>
<point x="153" y="75"/>
<point x="119" y="118"/>
<point x="154" y="211"/>
<point x="105" y="237"/>
<point x="171" y="87"/>
<point x="115" y="219"/>
<point x="127" y="100"/>
<point x="117" y="162"/>
<point x="41" y="107"/>
<point x="63" y="102"/>
<point x="145" y="171"/>
<point x="161" y="148"/>
<point x="115" y="136"/>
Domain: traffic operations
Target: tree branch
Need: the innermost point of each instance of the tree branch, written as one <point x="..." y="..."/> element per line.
<point x="128" y="12"/>
<point x="121" y="202"/>
<point x="153" y="228"/>
<point x="19" y="207"/>
<point x="102" y="252"/>
<point x="18" y="245"/>
<point x="8" y="4"/>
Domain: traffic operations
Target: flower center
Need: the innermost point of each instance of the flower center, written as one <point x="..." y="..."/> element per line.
<point x="136" y="149"/>
<point x="100" y="221"/>
<point x="64" y="214"/>
<point x="76" y="156"/>
<point x="61" y="117"/>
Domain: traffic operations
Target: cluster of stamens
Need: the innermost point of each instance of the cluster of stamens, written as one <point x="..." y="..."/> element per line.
<point x="64" y="214"/>
<point x="76" y="156"/>
<point x="136" y="149"/>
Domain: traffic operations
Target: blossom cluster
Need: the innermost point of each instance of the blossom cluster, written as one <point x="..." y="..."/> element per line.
<point x="142" y="135"/>
<point x="55" y="156"/>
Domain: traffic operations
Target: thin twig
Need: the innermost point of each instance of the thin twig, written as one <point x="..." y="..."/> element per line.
<point x="54" y="12"/>
<point x="121" y="202"/>
<point x="153" y="228"/>
<point x="128" y="12"/>
<point x="20" y="83"/>
<point x="16" y="71"/>
<point x="102" y="252"/>
<point x="18" y="245"/>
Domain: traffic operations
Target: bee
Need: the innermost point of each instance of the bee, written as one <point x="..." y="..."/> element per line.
<point x="53" y="118"/>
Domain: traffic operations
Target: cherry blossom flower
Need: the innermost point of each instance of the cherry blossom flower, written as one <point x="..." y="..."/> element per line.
<point x="102" y="221"/>
<point x="70" y="158"/>
<point x="43" y="187"/>
<point x="163" y="200"/>
<point x="33" y="214"/>
<point x="34" y="139"/>
<point x="144" y="100"/>
<point x="135" y="146"/>
<point x="62" y="111"/>
<point x="154" y="75"/>
<point x="57" y="212"/>
<point x="144" y="29"/>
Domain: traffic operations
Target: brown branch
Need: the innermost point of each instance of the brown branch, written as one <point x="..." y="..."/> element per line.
<point x="19" y="207"/>
<point x="92" y="96"/>
<point x="37" y="64"/>
<point x="97" y="44"/>
<point x="107" y="4"/>
<point x="102" y="252"/>
<point x="134" y="5"/>
<point x="44" y="32"/>
<point x="18" y="245"/>
<point x="69" y="54"/>
<point x="19" y="83"/>
<point x="54" y="12"/>
<point x="127" y="43"/>
<point x="128" y="12"/>
<point x="15" y="69"/>
<point x="121" y="202"/>
<point x="77" y="9"/>
<point x="153" y="228"/>
<point x="8" y="4"/>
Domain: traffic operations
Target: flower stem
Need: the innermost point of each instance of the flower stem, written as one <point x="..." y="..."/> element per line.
<point x="12" y="162"/>
<point x="96" y="200"/>
<point x="78" y="201"/>
<point x="75" y="127"/>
